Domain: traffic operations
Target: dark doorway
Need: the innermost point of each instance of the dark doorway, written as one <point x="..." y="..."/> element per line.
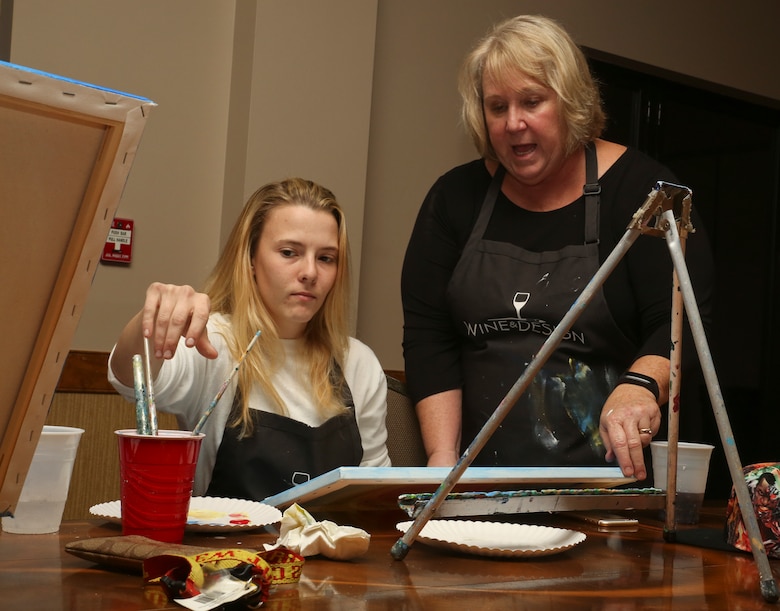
<point x="6" y="17"/>
<point x="725" y="146"/>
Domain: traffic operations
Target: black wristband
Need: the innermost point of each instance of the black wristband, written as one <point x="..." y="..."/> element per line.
<point x="640" y="379"/>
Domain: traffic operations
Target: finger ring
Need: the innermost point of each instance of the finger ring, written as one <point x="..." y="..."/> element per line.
<point x="645" y="431"/>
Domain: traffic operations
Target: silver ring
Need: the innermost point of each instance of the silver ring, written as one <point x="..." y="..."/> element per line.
<point x="645" y="431"/>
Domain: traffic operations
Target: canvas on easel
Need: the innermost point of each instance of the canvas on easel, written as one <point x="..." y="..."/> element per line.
<point x="66" y="149"/>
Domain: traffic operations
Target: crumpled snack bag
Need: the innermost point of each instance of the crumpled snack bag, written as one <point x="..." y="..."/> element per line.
<point x="300" y="532"/>
<point x="763" y="482"/>
<point x="213" y="578"/>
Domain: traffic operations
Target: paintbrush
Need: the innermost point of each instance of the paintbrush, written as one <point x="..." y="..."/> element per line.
<point x="141" y="408"/>
<point x="222" y="388"/>
<point x="150" y="390"/>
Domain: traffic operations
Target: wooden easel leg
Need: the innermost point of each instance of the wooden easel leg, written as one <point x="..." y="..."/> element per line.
<point x="675" y="383"/>
<point x="767" y="581"/>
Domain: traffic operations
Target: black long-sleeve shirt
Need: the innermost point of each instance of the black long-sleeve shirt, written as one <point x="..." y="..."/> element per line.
<point x="638" y="291"/>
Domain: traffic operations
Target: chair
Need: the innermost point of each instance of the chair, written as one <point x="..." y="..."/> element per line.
<point x="404" y="441"/>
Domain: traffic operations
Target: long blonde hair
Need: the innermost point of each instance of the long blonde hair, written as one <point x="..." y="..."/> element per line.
<point x="233" y="292"/>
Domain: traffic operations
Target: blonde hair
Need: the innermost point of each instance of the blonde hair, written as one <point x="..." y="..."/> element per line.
<point x="539" y="48"/>
<point x="233" y="292"/>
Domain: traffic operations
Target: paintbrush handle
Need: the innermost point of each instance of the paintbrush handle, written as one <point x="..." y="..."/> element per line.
<point x="222" y="388"/>
<point x="150" y="404"/>
<point x="141" y="408"/>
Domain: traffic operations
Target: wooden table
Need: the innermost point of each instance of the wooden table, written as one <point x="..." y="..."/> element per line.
<point x="609" y="571"/>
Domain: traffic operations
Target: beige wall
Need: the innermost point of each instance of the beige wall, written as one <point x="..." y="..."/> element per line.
<point x="357" y="94"/>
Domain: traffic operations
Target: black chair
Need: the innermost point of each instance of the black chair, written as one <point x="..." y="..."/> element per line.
<point x="404" y="441"/>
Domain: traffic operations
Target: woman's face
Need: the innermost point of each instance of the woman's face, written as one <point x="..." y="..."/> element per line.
<point x="524" y="127"/>
<point x="295" y="265"/>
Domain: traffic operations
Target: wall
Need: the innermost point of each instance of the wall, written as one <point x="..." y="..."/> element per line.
<point x="359" y="94"/>
<point x="310" y="106"/>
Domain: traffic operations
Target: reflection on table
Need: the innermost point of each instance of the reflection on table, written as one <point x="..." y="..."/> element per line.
<point x="612" y="570"/>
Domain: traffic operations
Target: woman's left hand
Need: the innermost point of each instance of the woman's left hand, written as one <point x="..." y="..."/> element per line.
<point x="629" y="420"/>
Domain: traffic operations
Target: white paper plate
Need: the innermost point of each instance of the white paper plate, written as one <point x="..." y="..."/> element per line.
<point x="496" y="538"/>
<point x="209" y="514"/>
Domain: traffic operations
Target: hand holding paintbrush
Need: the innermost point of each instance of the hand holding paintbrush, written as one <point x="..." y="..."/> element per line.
<point x="170" y="312"/>
<point x="146" y="410"/>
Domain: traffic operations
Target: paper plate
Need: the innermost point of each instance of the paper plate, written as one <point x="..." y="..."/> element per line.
<point x="496" y="538"/>
<point x="209" y="514"/>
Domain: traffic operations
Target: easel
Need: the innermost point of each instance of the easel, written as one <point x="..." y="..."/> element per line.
<point x="669" y="207"/>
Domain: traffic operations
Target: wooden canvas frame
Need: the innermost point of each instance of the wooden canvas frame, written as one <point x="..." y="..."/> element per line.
<point x="66" y="149"/>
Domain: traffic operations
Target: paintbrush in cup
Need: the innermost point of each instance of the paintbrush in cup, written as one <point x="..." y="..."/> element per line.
<point x="152" y="408"/>
<point x="141" y="407"/>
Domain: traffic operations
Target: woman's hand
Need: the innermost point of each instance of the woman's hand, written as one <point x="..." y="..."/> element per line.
<point x="171" y="312"/>
<point x="629" y="419"/>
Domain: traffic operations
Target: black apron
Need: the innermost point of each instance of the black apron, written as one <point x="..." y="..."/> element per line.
<point x="506" y="301"/>
<point x="282" y="452"/>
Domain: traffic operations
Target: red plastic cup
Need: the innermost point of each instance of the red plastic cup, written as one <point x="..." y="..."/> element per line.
<point x="156" y="476"/>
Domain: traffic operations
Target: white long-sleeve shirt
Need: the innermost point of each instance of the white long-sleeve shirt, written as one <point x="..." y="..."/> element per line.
<point x="187" y="383"/>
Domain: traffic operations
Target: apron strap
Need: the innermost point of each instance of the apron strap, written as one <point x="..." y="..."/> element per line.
<point x="495" y="186"/>
<point x="485" y="212"/>
<point x="591" y="191"/>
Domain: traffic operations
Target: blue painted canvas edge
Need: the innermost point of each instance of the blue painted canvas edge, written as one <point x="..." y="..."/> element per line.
<point x="73" y="81"/>
<point x="345" y="476"/>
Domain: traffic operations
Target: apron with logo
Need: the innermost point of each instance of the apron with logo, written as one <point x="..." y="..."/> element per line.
<point x="506" y="301"/>
<point x="282" y="452"/>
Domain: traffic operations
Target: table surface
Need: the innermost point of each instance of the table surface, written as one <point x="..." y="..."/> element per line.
<point x="610" y="570"/>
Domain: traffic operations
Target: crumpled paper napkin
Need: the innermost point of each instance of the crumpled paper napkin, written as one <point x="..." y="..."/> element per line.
<point x="301" y="533"/>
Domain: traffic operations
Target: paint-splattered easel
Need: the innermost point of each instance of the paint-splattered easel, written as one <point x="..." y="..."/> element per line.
<point x="668" y="206"/>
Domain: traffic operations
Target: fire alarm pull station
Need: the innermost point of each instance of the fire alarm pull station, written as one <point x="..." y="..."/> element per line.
<point x="119" y="243"/>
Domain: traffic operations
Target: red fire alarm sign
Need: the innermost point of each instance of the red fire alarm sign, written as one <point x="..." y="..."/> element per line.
<point x="119" y="244"/>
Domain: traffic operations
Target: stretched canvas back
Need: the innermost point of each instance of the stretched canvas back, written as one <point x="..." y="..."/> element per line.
<point x="66" y="149"/>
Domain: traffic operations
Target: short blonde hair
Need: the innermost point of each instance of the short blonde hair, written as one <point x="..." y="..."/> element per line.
<point x="537" y="47"/>
<point x="233" y="291"/>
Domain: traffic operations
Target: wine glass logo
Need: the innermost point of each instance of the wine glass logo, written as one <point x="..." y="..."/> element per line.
<point x="519" y="300"/>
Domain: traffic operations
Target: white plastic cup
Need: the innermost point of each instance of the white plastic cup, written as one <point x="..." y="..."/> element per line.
<point x="45" y="490"/>
<point x="693" y="464"/>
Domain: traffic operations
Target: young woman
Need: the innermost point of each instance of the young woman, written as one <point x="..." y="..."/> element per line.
<point x="307" y="398"/>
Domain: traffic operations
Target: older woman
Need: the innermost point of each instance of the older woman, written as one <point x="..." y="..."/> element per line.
<point x="309" y="398"/>
<point x="500" y="250"/>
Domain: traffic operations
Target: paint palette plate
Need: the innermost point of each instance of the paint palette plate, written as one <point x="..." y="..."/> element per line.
<point x="209" y="514"/>
<point x="496" y="538"/>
